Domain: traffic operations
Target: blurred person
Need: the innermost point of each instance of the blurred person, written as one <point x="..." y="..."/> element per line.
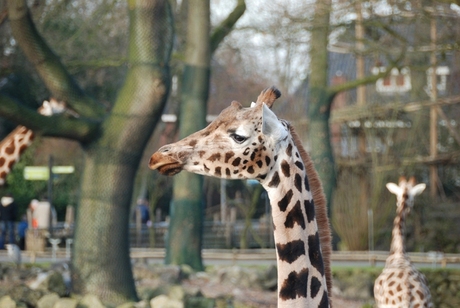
<point x="22" y="230"/>
<point x="142" y="209"/>
<point x="41" y="214"/>
<point x="8" y="212"/>
<point x="32" y="206"/>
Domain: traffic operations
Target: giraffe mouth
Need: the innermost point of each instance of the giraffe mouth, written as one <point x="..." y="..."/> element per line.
<point x="165" y="165"/>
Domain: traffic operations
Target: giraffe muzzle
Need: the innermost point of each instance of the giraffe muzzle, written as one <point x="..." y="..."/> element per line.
<point x="165" y="164"/>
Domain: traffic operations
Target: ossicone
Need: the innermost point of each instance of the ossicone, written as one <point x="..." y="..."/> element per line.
<point x="268" y="96"/>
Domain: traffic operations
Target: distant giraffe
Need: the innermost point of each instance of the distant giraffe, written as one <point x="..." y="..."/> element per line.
<point x="401" y="285"/>
<point x="252" y="143"/>
<point x="20" y="139"/>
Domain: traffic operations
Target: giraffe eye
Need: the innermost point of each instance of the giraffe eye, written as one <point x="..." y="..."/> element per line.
<point x="238" y="138"/>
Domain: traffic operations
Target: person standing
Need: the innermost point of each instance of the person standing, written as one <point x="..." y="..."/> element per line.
<point x="23" y="225"/>
<point x="8" y="212"/>
<point x="142" y="209"/>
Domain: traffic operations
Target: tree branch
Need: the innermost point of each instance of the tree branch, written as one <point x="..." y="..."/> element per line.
<point x="53" y="73"/>
<point x="334" y="90"/>
<point x="78" y="129"/>
<point x="222" y="30"/>
<point x="352" y="84"/>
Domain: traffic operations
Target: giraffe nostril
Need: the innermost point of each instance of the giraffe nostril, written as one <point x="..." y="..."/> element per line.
<point x="151" y="161"/>
<point x="164" y="149"/>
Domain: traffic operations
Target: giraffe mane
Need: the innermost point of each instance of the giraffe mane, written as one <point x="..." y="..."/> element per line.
<point x="320" y="209"/>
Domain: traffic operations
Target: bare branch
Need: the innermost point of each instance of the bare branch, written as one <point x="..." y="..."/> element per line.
<point x="47" y="64"/>
<point x="221" y="31"/>
<point x="78" y="129"/>
<point x="334" y="90"/>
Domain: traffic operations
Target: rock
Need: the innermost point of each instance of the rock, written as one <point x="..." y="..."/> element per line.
<point x="47" y="301"/>
<point x="238" y="276"/>
<point x="176" y="292"/>
<point x="167" y="273"/>
<point x="186" y="271"/>
<point x="50" y="281"/>
<point x="238" y="304"/>
<point x="163" y="301"/>
<point x="270" y="281"/>
<point x="56" y="283"/>
<point x="66" y="303"/>
<point x="148" y="293"/>
<point x="203" y="275"/>
<point x="11" y="273"/>
<point x="3" y="292"/>
<point x="142" y="304"/>
<point x="200" y="302"/>
<point x="128" y="305"/>
<point x="7" y="302"/>
<point x="90" y="301"/>
<point x="170" y="273"/>
<point x="193" y="291"/>
<point x="221" y="303"/>
<point x="38" y="280"/>
<point x="21" y="293"/>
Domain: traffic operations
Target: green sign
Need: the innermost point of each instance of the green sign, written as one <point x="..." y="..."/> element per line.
<point x="36" y="173"/>
<point x="63" y="169"/>
<point x="41" y="173"/>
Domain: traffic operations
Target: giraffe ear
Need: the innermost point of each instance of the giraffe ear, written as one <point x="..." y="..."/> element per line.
<point x="393" y="188"/>
<point x="418" y="189"/>
<point x="271" y="126"/>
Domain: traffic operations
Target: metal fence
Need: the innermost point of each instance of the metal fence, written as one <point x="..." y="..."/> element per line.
<point x="216" y="235"/>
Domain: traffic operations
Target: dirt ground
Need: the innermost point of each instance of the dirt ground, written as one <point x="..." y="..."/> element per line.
<point x="254" y="298"/>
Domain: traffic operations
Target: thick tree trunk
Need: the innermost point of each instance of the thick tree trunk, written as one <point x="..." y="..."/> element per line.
<point x="185" y="229"/>
<point x="186" y="225"/>
<point x="101" y="263"/>
<point x="320" y="100"/>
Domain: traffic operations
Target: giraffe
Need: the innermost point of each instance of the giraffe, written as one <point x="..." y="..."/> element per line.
<point x="401" y="285"/>
<point x="21" y="137"/>
<point x="252" y="143"/>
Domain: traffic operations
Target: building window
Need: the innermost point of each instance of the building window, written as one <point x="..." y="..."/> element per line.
<point x="441" y="79"/>
<point x="398" y="81"/>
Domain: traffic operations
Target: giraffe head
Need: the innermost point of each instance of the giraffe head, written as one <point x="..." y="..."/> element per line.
<point x="405" y="192"/>
<point x="238" y="144"/>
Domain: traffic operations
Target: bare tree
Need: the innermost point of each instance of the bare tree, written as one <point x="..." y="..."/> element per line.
<point x="113" y="141"/>
<point x="185" y="229"/>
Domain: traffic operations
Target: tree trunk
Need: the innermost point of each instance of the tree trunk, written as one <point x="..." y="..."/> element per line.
<point x="101" y="263"/>
<point x="186" y="224"/>
<point x="248" y="213"/>
<point x="320" y="100"/>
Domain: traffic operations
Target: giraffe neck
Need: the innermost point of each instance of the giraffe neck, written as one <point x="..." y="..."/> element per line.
<point x="20" y="138"/>
<point x="11" y="149"/>
<point x="397" y="235"/>
<point x="301" y="279"/>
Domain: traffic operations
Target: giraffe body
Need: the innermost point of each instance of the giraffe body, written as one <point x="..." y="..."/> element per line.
<point x="401" y="285"/>
<point x="252" y="143"/>
<point x="21" y="138"/>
